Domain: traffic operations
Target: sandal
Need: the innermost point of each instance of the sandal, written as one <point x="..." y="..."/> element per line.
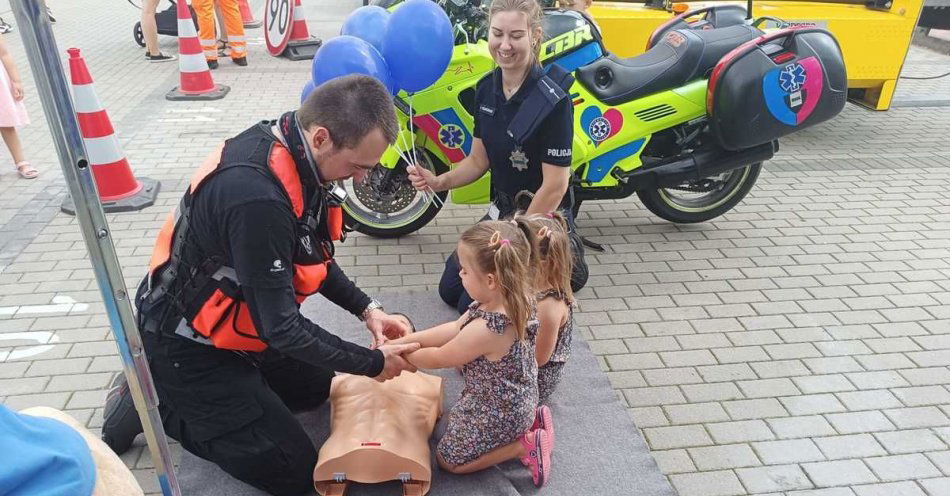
<point x="545" y="421"/>
<point x="538" y="458"/>
<point x="26" y="171"/>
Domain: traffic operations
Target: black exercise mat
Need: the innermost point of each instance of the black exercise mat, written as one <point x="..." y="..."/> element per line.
<point x="599" y="450"/>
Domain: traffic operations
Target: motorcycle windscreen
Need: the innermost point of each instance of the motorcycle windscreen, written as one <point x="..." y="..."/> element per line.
<point x="776" y="85"/>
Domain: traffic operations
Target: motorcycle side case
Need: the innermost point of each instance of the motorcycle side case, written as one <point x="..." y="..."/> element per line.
<point x="775" y="85"/>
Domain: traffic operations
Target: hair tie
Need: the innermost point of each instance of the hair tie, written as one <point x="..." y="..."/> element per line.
<point x="544" y="232"/>
<point x="549" y="215"/>
<point x="497" y="241"/>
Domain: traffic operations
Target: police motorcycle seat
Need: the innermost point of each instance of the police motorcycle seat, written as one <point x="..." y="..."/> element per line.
<point x="682" y="56"/>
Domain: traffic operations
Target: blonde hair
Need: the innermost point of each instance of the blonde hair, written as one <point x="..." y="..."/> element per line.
<point x="505" y="249"/>
<point x="568" y="4"/>
<point x="554" y="256"/>
<point x="531" y="9"/>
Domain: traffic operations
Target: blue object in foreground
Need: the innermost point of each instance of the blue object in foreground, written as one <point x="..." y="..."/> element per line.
<point x="43" y="457"/>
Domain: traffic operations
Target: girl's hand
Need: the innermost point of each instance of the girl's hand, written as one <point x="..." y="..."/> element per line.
<point x="17" y="88"/>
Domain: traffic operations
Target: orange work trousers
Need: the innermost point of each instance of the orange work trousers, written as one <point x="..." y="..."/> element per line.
<point x="233" y="26"/>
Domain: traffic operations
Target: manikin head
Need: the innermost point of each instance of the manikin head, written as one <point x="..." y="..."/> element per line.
<point x="514" y="34"/>
<point x="348" y="122"/>
<point x="495" y="258"/>
<point x="554" y="256"/>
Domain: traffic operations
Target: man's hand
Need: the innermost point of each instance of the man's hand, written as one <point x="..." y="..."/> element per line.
<point x="395" y="362"/>
<point x="385" y="327"/>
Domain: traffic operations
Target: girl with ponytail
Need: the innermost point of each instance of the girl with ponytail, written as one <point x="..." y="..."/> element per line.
<point x="493" y="342"/>
<point x="555" y="301"/>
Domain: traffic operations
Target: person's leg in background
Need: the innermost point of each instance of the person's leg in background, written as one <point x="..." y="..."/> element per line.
<point x="450" y="286"/>
<point x="204" y="10"/>
<point x="222" y="34"/>
<point x="234" y="26"/>
<point x="150" y="33"/>
<point x="579" y="271"/>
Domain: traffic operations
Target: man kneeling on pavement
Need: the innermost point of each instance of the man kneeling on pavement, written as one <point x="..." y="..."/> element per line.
<point x="229" y="351"/>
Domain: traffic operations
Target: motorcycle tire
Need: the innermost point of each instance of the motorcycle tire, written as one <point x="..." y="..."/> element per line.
<point x="359" y="218"/>
<point x="665" y="202"/>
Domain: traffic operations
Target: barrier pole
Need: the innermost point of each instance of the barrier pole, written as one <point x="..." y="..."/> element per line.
<point x="53" y="90"/>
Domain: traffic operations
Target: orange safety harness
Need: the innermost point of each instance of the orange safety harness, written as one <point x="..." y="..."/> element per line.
<point x="208" y="295"/>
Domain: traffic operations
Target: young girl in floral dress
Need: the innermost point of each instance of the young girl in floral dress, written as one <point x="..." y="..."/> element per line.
<point x="493" y="342"/>
<point x="555" y="302"/>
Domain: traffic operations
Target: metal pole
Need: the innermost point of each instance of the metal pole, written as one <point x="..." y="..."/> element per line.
<point x="45" y="62"/>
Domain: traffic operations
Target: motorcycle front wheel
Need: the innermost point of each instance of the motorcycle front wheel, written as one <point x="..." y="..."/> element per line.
<point x="702" y="200"/>
<point x="385" y="205"/>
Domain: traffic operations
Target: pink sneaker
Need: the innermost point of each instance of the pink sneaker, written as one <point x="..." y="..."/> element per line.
<point x="538" y="459"/>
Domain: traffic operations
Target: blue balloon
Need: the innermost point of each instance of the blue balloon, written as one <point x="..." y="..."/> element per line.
<point x="345" y="55"/>
<point x="367" y="23"/>
<point x="418" y="44"/>
<point x="307" y="88"/>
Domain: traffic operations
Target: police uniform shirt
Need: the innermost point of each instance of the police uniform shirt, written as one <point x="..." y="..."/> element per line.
<point x="550" y="143"/>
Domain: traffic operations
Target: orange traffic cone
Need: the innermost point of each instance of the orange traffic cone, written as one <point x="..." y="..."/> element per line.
<point x="247" y="16"/>
<point x="119" y="191"/>
<point x="195" y="81"/>
<point x="301" y="45"/>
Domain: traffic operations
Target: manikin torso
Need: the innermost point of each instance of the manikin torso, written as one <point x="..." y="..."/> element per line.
<point x="379" y="432"/>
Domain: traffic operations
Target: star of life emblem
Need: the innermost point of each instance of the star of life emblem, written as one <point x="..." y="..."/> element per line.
<point x="519" y="160"/>
<point x="599" y="129"/>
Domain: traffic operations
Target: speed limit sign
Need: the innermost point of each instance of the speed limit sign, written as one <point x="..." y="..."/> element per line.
<point x="278" y="20"/>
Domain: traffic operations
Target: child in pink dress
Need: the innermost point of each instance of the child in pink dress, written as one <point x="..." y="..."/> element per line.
<point x="13" y="112"/>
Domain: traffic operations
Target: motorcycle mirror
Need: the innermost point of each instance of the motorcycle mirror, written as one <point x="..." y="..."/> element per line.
<point x="748" y="11"/>
<point x="459" y="28"/>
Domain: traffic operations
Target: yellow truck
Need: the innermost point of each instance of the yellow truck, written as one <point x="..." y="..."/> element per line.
<point x="874" y="34"/>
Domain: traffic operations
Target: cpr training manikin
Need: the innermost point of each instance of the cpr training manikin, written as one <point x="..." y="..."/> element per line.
<point x="379" y="431"/>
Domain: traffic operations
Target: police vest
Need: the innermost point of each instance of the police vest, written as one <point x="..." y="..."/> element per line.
<point x="208" y="295"/>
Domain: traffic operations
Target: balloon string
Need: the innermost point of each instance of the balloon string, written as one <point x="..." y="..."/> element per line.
<point x="415" y="162"/>
<point x="405" y="143"/>
<point x="415" y="159"/>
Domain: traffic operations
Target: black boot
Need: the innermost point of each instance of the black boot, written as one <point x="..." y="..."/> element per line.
<point x="122" y="422"/>
<point x="212" y="64"/>
<point x="241" y="61"/>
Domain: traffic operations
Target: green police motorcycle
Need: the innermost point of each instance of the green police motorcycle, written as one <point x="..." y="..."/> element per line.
<point x="686" y="126"/>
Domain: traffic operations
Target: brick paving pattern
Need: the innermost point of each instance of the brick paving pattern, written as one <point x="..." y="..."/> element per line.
<point x="797" y="345"/>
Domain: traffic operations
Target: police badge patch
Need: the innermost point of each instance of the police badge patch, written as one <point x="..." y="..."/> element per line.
<point x="519" y="160"/>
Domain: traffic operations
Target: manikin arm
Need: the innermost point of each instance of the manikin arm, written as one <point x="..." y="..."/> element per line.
<point x="467" y="345"/>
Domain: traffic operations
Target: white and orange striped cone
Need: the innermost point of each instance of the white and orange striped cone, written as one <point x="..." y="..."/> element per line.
<point x="301" y="45"/>
<point x="195" y="81"/>
<point x="118" y="189"/>
<point x="247" y="16"/>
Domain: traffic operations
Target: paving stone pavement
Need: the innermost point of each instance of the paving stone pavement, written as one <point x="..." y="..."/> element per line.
<point x="797" y="345"/>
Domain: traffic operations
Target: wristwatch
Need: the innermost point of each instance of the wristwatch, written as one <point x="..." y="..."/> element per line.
<point x="373" y="305"/>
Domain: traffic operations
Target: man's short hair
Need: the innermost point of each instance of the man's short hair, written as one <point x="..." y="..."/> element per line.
<point x="350" y="107"/>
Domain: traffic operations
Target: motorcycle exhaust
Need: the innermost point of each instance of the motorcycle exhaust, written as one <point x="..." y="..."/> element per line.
<point x="699" y="164"/>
